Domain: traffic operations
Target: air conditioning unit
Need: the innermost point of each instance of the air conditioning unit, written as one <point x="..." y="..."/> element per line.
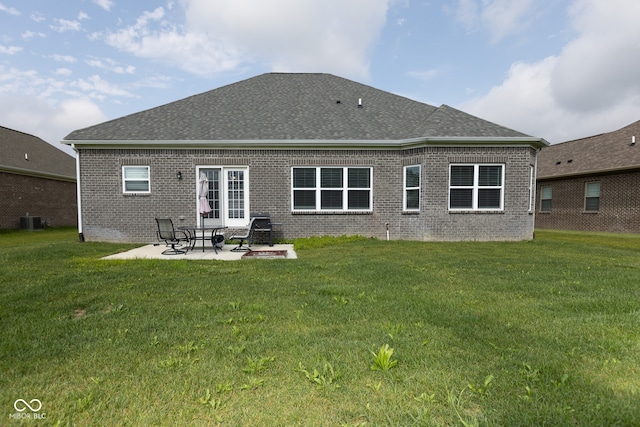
<point x="30" y="223"/>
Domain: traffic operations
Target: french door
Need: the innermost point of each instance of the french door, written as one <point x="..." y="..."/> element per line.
<point x="227" y="194"/>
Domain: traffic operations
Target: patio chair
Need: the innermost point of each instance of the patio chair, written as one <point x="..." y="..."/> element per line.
<point x="247" y="235"/>
<point x="168" y="234"/>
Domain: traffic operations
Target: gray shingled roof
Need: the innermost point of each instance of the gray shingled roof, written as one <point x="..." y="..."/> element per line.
<point x="284" y="106"/>
<point x="29" y="155"/>
<point x="606" y="152"/>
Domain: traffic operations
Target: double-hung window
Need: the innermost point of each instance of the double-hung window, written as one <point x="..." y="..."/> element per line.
<point x="592" y="197"/>
<point x="476" y="187"/>
<point x="331" y="189"/>
<point x="412" y="188"/>
<point x="136" y="179"/>
<point x="546" y="197"/>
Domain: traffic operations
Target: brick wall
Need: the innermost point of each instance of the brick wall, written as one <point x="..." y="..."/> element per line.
<point x="52" y="200"/>
<point x="619" y="204"/>
<point x="109" y="215"/>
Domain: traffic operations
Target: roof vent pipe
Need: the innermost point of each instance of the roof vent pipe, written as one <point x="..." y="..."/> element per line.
<point x="359" y="102"/>
<point x="633" y="140"/>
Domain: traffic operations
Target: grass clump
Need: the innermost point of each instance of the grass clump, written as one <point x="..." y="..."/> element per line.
<point x="541" y="332"/>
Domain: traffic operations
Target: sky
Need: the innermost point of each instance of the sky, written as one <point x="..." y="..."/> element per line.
<point x="555" y="69"/>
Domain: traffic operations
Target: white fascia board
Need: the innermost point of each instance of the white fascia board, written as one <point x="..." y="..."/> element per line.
<point x="314" y="143"/>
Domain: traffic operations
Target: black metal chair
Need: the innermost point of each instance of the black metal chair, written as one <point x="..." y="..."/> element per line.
<point x="168" y="234"/>
<point x="246" y="236"/>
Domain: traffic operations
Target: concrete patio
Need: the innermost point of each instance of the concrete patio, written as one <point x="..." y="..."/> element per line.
<point x="154" y="251"/>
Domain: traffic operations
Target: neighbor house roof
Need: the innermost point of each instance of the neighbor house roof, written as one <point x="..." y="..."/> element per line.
<point x="607" y="152"/>
<point x="29" y="155"/>
<point x="288" y="108"/>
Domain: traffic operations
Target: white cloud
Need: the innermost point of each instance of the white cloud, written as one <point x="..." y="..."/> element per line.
<point x="97" y="88"/>
<point x="51" y="122"/>
<point x="591" y="87"/>
<point x="82" y="16"/>
<point x="287" y="35"/>
<point x="424" y="75"/>
<point x="10" y="50"/>
<point x="9" y="10"/>
<point x="63" y="72"/>
<point x="27" y="35"/>
<point x="315" y="35"/>
<point x="38" y="17"/>
<point x="63" y="58"/>
<point x="64" y="25"/>
<point x="105" y="4"/>
<point x="600" y="68"/>
<point x="500" y="18"/>
<point x="110" y="65"/>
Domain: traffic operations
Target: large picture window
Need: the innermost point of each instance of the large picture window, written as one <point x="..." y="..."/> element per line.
<point x="476" y="187"/>
<point x="135" y="179"/>
<point x="331" y="189"/>
<point x="412" y="188"/>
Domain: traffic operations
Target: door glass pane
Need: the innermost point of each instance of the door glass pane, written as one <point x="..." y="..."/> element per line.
<point x="213" y="196"/>
<point x="235" y="194"/>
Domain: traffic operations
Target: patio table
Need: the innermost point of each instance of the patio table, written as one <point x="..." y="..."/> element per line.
<point x="192" y="232"/>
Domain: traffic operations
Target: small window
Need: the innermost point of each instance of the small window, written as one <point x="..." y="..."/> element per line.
<point x="476" y="187"/>
<point x="135" y="179"/>
<point x="592" y="197"/>
<point x="546" y="194"/>
<point x="412" y="188"/>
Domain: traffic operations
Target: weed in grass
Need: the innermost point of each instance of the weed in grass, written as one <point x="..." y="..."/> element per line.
<point x="255" y="365"/>
<point x="235" y="306"/>
<point x="456" y="404"/>
<point x="222" y="388"/>
<point x="383" y="360"/>
<point x="253" y="384"/>
<point x="484" y="389"/>
<point x="237" y="350"/>
<point x="327" y="377"/>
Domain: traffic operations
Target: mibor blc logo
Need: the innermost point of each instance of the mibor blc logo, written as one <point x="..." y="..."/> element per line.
<point x="28" y="410"/>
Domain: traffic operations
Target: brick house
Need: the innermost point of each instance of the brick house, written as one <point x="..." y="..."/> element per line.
<point x="322" y="154"/>
<point x="38" y="180"/>
<point x="591" y="184"/>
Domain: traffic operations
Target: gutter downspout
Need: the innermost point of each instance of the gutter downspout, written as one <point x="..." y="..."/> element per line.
<point x="78" y="193"/>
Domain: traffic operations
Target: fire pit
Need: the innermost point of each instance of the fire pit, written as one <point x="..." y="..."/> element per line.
<point x="265" y="254"/>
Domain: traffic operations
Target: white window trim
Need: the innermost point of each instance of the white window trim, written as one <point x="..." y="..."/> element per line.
<point x="345" y="189"/>
<point x="475" y="188"/>
<point x="405" y="188"/>
<point x="125" y="180"/>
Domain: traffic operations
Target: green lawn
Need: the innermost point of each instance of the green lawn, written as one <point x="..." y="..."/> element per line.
<point x="545" y="332"/>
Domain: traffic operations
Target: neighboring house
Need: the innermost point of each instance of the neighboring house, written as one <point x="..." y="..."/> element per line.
<point x="322" y="154"/>
<point x="591" y="184"/>
<point x="38" y="180"/>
